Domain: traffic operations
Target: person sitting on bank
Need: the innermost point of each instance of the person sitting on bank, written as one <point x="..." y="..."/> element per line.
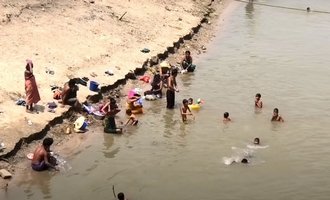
<point x="156" y="86"/>
<point x="42" y="160"/>
<point x="111" y="109"/>
<point x="186" y="62"/>
<point x="134" y="103"/>
<point x="69" y="93"/>
<point x="276" y="117"/>
<point x="132" y="118"/>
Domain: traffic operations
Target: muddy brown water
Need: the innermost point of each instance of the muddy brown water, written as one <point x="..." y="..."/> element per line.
<point x="283" y="54"/>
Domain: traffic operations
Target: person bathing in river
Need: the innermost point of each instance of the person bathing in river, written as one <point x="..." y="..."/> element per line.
<point x="226" y="117"/>
<point x="42" y="159"/>
<point x="31" y="89"/>
<point x="276" y="117"/>
<point x="156" y="86"/>
<point x="132" y="118"/>
<point x="258" y="101"/>
<point x="185" y="110"/>
<point x="186" y="62"/>
<point x="110" y="110"/>
<point x="171" y="89"/>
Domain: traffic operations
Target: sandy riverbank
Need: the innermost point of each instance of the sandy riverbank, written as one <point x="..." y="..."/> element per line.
<point x="103" y="42"/>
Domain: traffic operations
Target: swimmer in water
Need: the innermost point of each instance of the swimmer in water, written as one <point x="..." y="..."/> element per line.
<point x="256" y="141"/>
<point x="121" y="196"/>
<point x="276" y="117"/>
<point x="308" y="9"/>
<point x="245" y="161"/>
<point x="258" y="101"/>
<point x="190" y="101"/>
<point x="226" y="117"/>
<point x="185" y="110"/>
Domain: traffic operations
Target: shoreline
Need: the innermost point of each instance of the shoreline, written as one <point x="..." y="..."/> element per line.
<point x="191" y="41"/>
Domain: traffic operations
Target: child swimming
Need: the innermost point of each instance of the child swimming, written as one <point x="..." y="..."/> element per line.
<point x="185" y="110"/>
<point x="276" y="117"/>
<point x="258" y="101"/>
<point x="226" y="117"/>
<point x="132" y="119"/>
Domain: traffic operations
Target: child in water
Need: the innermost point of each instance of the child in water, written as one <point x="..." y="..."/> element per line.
<point x="226" y="117"/>
<point x="258" y="101"/>
<point x="256" y="141"/>
<point x="185" y="110"/>
<point x="132" y="119"/>
<point x="190" y="101"/>
<point x="276" y="117"/>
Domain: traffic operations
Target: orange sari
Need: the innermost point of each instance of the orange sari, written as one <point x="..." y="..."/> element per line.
<point x="31" y="89"/>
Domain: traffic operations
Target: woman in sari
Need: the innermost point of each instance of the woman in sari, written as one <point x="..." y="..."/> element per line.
<point x="31" y="89"/>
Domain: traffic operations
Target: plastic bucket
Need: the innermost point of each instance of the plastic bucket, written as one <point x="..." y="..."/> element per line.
<point x="94" y="86"/>
<point x="84" y="126"/>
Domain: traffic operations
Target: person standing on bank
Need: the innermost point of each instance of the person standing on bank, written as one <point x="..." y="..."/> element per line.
<point x="31" y="88"/>
<point x="171" y="89"/>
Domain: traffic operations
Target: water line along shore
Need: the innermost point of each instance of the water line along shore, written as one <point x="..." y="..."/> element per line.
<point x="17" y="134"/>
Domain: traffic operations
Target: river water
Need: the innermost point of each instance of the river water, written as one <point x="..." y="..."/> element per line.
<point x="283" y="54"/>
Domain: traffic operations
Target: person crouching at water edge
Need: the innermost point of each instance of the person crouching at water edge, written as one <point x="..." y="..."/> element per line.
<point x="31" y="89"/>
<point x="69" y="94"/>
<point x="276" y="117"/>
<point x="111" y="109"/>
<point x="171" y="89"/>
<point x="42" y="159"/>
<point x="185" y="110"/>
<point x="134" y="103"/>
<point x="186" y="62"/>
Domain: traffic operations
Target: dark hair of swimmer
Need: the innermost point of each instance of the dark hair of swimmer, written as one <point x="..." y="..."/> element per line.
<point x="187" y="52"/>
<point x="226" y="115"/>
<point x="258" y="95"/>
<point x="245" y="161"/>
<point x="275" y="110"/>
<point x="121" y="196"/>
<point x="256" y="141"/>
<point x="184" y="101"/>
<point x="308" y="9"/>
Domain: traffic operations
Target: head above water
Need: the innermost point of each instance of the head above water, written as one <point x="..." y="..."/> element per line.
<point x="185" y="102"/>
<point x="190" y="100"/>
<point x="308" y="9"/>
<point x="225" y="115"/>
<point x="275" y="111"/>
<point x="187" y="53"/>
<point x="121" y="196"/>
<point x="256" y="141"/>
<point x="47" y="142"/>
<point x="258" y="95"/>
<point x="245" y="161"/>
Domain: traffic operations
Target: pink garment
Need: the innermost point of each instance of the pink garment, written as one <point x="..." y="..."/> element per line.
<point x="31" y="89"/>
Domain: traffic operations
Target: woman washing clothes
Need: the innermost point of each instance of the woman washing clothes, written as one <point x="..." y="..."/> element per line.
<point x="31" y="89"/>
<point x="134" y="103"/>
<point x="156" y="86"/>
<point x="110" y="110"/>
